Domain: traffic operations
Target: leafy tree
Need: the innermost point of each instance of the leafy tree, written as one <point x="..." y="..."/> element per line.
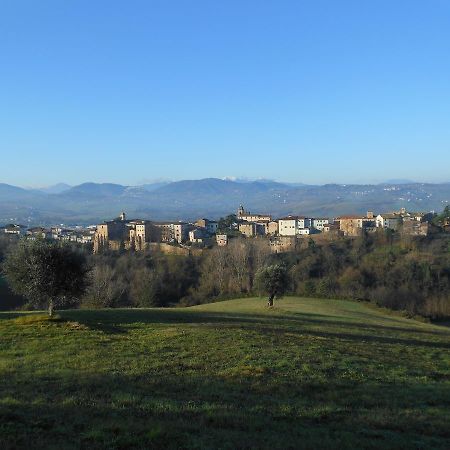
<point x="226" y="223"/>
<point x="273" y="280"/>
<point x="46" y="274"/>
<point x="441" y="219"/>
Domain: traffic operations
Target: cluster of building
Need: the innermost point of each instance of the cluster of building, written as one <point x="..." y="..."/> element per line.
<point x="412" y="223"/>
<point x="262" y="224"/>
<point x="82" y="235"/>
<point x="138" y="234"/>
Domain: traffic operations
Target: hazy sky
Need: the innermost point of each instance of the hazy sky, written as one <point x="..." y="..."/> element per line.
<point x="305" y="90"/>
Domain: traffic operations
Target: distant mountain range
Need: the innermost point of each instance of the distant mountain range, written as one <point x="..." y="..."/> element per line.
<point x="210" y="197"/>
<point x="55" y="189"/>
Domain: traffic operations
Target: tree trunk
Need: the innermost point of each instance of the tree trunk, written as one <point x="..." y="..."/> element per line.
<point x="50" y="308"/>
<point x="270" y="302"/>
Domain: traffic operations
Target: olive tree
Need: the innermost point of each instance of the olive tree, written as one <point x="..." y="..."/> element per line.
<point x="47" y="274"/>
<point x="273" y="280"/>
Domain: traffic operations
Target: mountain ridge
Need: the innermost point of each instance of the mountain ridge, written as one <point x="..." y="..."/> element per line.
<point x="212" y="197"/>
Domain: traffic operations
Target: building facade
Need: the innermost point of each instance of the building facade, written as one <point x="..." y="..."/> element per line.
<point x="355" y="225"/>
<point x="294" y="226"/>
<point x="390" y="221"/>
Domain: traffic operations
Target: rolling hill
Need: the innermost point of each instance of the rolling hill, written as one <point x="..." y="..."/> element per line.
<point x="310" y="374"/>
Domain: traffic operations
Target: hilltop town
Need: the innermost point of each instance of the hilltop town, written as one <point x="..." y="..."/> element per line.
<point x="283" y="233"/>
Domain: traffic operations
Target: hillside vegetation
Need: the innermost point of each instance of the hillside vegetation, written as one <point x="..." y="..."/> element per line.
<point x="390" y="270"/>
<point x="308" y="374"/>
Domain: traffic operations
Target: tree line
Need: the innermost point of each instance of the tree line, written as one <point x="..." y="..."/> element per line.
<point x="394" y="271"/>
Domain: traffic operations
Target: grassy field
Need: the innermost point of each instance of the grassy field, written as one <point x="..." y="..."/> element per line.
<point x="308" y="374"/>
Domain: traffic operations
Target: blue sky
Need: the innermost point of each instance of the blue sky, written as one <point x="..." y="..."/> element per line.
<point x="309" y="91"/>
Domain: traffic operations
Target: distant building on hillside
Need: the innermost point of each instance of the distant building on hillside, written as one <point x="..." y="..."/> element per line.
<point x="222" y="240"/>
<point x="181" y="231"/>
<point x="110" y="234"/>
<point x="140" y="234"/>
<point x="332" y="229"/>
<point x="294" y="226"/>
<point x="416" y="228"/>
<point x="13" y="228"/>
<point x="319" y="223"/>
<point x="198" y="235"/>
<point x="246" y="216"/>
<point x="165" y="231"/>
<point x="209" y="225"/>
<point x="122" y="233"/>
<point x="282" y="244"/>
<point x="354" y="225"/>
<point x="269" y="228"/>
<point x="391" y="221"/>
<point x="252" y="229"/>
<point x="38" y="233"/>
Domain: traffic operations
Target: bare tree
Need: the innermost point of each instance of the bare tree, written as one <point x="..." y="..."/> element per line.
<point x="239" y="256"/>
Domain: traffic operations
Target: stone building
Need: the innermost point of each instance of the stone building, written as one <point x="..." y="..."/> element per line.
<point x="267" y="227"/>
<point x="111" y="234"/>
<point x="248" y="229"/>
<point x="354" y="225"/>
<point x="122" y="233"/>
<point x="173" y="231"/>
<point x="141" y="233"/>
<point x="416" y="228"/>
<point x="181" y="231"/>
<point x="282" y="244"/>
<point x="165" y="231"/>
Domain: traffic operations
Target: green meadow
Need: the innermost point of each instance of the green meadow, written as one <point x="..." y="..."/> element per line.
<point x="307" y="374"/>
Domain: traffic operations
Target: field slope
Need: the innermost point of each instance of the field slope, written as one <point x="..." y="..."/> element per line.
<point x="308" y="374"/>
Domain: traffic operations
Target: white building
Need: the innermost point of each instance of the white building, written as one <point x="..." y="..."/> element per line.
<point x="319" y="223"/>
<point x="14" y="229"/>
<point x="391" y="221"/>
<point x="197" y="235"/>
<point x="304" y="222"/>
<point x="294" y="225"/>
<point x="180" y="231"/>
<point x="288" y="226"/>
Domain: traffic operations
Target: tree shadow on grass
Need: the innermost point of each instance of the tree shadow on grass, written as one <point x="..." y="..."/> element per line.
<point x="9" y="315"/>
<point x="120" y="321"/>
<point x="194" y="411"/>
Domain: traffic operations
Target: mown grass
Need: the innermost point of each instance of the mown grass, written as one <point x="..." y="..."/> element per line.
<point x="308" y="374"/>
